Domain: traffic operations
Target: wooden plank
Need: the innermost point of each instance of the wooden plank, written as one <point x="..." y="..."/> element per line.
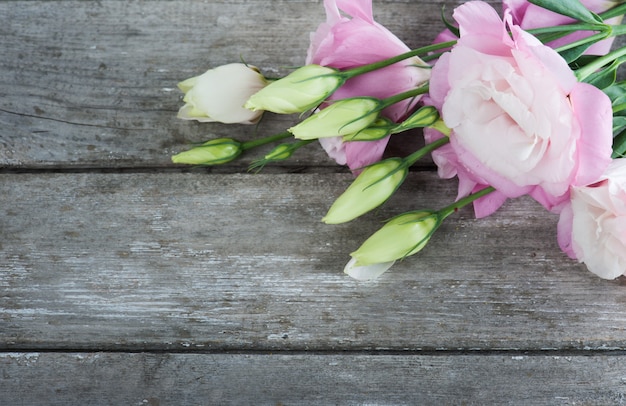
<point x="167" y="261"/>
<point x="93" y="84"/>
<point x="304" y="379"/>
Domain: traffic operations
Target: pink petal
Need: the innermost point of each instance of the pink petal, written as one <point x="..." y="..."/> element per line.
<point x="593" y="109"/>
<point x="487" y="205"/>
<point x="564" y="231"/>
<point x="335" y="148"/>
<point x="358" y="9"/>
<point x="478" y="18"/>
<point x="439" y="81"/>
<point x="362" y="153"/>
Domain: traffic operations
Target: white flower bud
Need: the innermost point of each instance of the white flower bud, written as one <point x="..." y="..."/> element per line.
<point x="219" y="94"/>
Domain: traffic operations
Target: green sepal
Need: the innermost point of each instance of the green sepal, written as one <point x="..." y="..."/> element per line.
<point x="280" y="153"/>
<point x="453" y="28"/>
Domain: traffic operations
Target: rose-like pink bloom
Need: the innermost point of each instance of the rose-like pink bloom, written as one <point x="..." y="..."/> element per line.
<point x="348" y="42"/>
<point x="520" y="121"/>
<point x="592" y="228"/>
<point x="529" y="16"/>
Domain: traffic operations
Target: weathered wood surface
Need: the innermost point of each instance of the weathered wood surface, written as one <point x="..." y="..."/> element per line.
<point x="125" y="279"/>
<point x="280" y="379"/>
<point x="93" y="84"/>
<point x="228" y="262"/>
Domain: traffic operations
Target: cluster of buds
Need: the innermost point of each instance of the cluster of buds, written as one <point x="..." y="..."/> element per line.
<point x="353" y="119"/>
<point x="239" y="93"/>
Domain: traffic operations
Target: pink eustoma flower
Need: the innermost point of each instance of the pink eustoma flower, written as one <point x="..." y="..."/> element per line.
<point x="529" y="16"/>
<point x="592" y="228"/>
<point x="346" y="42"/>
<point x="520" y="121"/>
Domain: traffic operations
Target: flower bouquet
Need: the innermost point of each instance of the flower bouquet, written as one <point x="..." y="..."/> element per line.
<point x="526" y="102"/>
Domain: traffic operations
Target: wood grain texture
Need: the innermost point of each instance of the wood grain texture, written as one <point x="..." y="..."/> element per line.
<point x="93" y="84"/>
<point x="305" y="379"/>
<point x="127" y="280"/>
<point x="229" y="262"/>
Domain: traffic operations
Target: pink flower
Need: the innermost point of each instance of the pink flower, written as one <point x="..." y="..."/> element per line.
<point x="520" y="121"/>
<point x="344" y="43"/>
<point x="592" y="228"/>
<point x="448" y="166"/>
<point x="529" y="16"/>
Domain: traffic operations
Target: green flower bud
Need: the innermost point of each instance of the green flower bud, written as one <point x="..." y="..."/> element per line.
<point x="301" y="90"/>
<point x="402" y="236"/>
<point x="341" y="118"/>
<point x="369" y="190"/>
<point x="424" y="117"/>
<point x="280" y="152"/>
<point x="213" y="152"/>
<point x="378" y="130"/>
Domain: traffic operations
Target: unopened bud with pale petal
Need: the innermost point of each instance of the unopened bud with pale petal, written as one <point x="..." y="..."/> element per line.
<point x="374" y="185"/>
<point x="213" y="152"/>
<point x="219" y="94"/>
<point x="402" y="236"/>
<point x="343" y="117"/>
<point x="301" y="90"/>
<point x="366" y="272"/>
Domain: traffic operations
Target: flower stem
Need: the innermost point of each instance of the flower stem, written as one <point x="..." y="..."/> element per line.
<point x="599" y="62"/>
<point x="398" y="58"/>
<point x="402" y="96"/>
<point x="417" y="155"/>
<point x="568" y="28"/>
<point x="446" y="211"/>
<point x="267" y="140"/>
<point x="587" y="40"/>
<point x="614" y="12"/>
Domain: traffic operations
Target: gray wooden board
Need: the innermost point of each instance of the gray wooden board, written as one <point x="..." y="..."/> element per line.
<point x="86" y="83"/>
<point x="230" y="262"/>
<point x="124" y="280"/>
<point x="304" y="379"/>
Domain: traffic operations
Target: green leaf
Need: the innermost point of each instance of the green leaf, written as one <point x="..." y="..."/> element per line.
<point x="604" y="78"/>
<point x="617" y="93"/>
<point x="570" y="8"/>
<point x="572" y="54"/>
<point x="619" y="145"/>
<point x="582" y="61"/>
<point x="619" y="124"/>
